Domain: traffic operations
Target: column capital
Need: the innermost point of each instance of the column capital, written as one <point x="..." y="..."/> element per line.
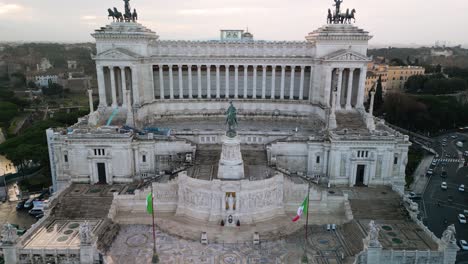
<point x="352" y="69"/>
<point x="217" y="66"/>
<point x="122" y="67"/>
<point x="341" y="69"/>
<point x="179" y="65"/>
<point x="189" y="66"/>
<point x="303" y="67"/>
<point x="236" y="66"/>
<point x="283" y="67"/>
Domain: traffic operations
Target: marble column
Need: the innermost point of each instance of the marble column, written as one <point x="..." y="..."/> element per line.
<point x="236" y="81"/>
<point x="301" y="85"/>
<point x="339" y="88"/>
<point x="218" y="80"/>
<point x="283" y="73"/>
<point x="328" y="84"/>
<point x="135" y="87"/>
<point x="113" y="87"/>
<point x="190" y="92"/>
<point x="101" y="86"/>
<point x="171" y="83"/>
<point x="123" y="82"/>
<point x="90" y="98"/>
<point x="291" y="89"/>
<point x="264" y="67"/>
<point x="246" y="68"/>
<point x="349" y="92"/>
<point x="273" y="81"/>
<point x="161" y="82"/>
<point x="361" y="87"/>
<point x="254" y="86"/>
<point x="181" y="82"/>
<point x="199" y="81"/>
<point x="208" y="81"/>
<point x="227" y="80"/>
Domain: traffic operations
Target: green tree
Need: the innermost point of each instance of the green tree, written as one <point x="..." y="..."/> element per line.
<point x="378" y="100"/>
<point x="32" y="85"/>
<point x="53" y="89"/>
<point x="18" y="80"/>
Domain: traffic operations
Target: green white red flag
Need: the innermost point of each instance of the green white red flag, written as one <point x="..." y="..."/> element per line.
<point x="149" y="203"/>
<point x="302" y="209"/>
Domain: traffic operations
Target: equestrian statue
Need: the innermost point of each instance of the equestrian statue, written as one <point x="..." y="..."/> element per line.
<point x="127" y="16"/>
<point x="340" y="18"/>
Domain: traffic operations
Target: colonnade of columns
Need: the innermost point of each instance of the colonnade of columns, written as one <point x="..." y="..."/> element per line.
<point x="350" y="92"/>
<point x="113" y="82"/>
<point x="245" y="83"/>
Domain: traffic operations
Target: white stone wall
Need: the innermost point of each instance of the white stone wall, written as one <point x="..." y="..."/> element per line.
<point x="255" y="200"/>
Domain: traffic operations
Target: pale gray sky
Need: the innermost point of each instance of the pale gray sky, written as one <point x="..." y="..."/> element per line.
<point x="390" y="21"/>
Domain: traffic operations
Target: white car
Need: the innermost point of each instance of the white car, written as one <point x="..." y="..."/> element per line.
<point x="443" y="186"/>
<point x="434" y="163"/>
<point x="454" y="136"/>
<point x="463" y="244"/>
<point x="462" y="219"/>
<point x="461" y="188"/>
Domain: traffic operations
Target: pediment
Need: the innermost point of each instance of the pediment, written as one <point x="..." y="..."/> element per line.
<point x="117" y="54"/>
<point x="346" y="55"/>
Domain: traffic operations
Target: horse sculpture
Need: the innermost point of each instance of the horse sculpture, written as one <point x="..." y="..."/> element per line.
<point x="111" y="14"/>
<point x="118" y="15"/>
<point x="134" y="15"/>
<point x="351" y="16"/>
<point x="329" y="17"/>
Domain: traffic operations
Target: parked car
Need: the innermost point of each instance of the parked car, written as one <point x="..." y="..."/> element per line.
<point x="461" y="188"/>
<point x="443" y="186"/>
<point x="36" y="211"/>
<point x="29" y="203"/>
<point x="443" y="174"/>
<point x="462" y="219"/>
<point x="39" y="216"/>
<point x="429" y="172"/>
<point x="434" y="163"/>
<point x="464" y="244"/>
<point x="454" y="136"/>
<point x="20" y="204"/>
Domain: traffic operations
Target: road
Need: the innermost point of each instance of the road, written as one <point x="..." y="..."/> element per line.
<point x="435" y="204"/>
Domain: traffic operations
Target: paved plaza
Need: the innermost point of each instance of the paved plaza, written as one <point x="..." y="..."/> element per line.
<point x="134" y="245"/>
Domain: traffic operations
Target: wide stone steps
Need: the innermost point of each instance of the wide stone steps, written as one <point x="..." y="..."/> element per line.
<point x="274" y="229"/>
<point x="82" y="207"/>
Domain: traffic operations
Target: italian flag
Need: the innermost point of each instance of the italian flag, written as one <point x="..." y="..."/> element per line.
<point x="302" y="209"/>
<point x="149" y="203"/>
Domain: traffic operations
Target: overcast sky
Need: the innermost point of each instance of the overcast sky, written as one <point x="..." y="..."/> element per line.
<point x="389" y="21"/>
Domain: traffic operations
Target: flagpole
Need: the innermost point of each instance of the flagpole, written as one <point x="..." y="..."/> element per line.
<point x="304" y="257"/>
<point x="155" y="254"/>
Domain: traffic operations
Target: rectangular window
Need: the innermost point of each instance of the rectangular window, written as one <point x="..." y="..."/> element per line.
<point x="95" y="152"/>
<point x="317" y="160"/>
<point x="65" y="158"/>
<point x="395" y="160"/>
<point x="143" y="158"/>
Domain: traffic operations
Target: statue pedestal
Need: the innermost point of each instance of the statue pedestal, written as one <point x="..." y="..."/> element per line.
<point x="231" y="166"/>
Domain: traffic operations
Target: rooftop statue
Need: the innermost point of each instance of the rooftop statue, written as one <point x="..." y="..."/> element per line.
<point x="338" y="17"/>
<point x="231" y="120"/>
<point x="127" y="16"/>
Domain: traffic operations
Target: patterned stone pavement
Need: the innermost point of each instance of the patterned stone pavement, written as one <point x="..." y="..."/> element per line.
<point x="134" y="245"/>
